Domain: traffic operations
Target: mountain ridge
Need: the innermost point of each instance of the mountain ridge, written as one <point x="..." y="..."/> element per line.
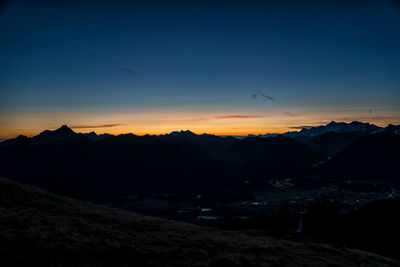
<point x="333" y="126"/>
<point x="130" y="162"/>
<point x="181" y="161"/>
<point x="372" y="156"/>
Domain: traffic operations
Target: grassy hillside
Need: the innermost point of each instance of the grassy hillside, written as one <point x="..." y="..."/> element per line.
<point x="39" y="228"/>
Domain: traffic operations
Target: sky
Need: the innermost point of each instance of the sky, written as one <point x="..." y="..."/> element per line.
<point x="221" y="67"/>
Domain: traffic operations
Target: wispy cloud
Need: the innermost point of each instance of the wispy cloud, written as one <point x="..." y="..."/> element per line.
<point x="301" y="127"/>
<point x="290" y="114"/>
<point x="261" y="94"/>
<point x="96" y="126"/>
<point x="239" y="117"/>
<point x="186" y="120"/>
<point x="129" y="71"/>
<point x="368" y="118"/>
<point x="226" y="117"/>
<point x="265" y="96"/>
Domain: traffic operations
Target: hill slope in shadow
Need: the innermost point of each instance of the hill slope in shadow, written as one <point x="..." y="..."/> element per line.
<point x="128" y="163"/>
<point x="42" y="229"/>
<point x="372" y="157"/>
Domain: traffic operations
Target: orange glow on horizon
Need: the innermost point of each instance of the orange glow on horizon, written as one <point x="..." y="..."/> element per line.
<point x="231" y="122"/>
<point x="217" y="132"/>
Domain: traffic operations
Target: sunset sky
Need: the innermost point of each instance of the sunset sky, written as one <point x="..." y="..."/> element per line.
<point x="226" y="68"/>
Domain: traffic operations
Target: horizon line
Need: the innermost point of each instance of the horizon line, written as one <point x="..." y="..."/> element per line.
<point x="293" y="128"/>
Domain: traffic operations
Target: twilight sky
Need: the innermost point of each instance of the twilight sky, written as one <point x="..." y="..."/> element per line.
<point x="228" y="68"/>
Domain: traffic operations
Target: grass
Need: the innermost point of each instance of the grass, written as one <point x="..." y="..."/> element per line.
<point x="40" y="228"/>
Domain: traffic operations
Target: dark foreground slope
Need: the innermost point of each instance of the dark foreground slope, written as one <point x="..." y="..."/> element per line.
<point x="41" y="229"/>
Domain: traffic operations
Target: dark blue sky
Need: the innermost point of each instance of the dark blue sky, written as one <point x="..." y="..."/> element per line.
<point x="205" y="66"/>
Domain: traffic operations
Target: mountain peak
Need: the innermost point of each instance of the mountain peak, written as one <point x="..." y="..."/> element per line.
<point x="22" y="137"/>
<point x="64" y="129"/>
<point x="181" y="133"/>
<point x="187" y="132"/>
<point x="338" y="127"/>
<point x="359" y="123"/>
<point x="63" y="133"/>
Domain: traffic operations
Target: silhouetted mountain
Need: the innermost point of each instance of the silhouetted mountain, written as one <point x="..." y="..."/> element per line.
<point x="95" y="137"/>
<point x="19" y="140"/>
<point x="332" y="138"/>
<point x="393" y="128"/>
<point x="123" y="163"/>
<point x="183" y="161"/>
<point x="331" y="143"/>
<point x="179" y="161"/>
<point x="42" y="229"/>
<point x="64" y="133"/>
<point x="213" y="145"/>
<point x="374" y="156"/>
<point x="337" y="127"/>
<point x="274" y="156"/>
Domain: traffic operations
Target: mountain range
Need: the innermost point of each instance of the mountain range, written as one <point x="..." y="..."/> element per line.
<point x="374" y="156"/>
<point x="333" y="137"/>
<point x="184" y="161"/>
<point x="176" y="162"/>
<point x="337" y="127"/>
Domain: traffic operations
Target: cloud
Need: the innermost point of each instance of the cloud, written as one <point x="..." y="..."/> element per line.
<point x="369" y="118"/>
<point x="127" y="70"/>
<point x="290" y="114"/>
<point x="216" y="118"/>
<point x="96" y="126"/>
<point x="226" y="117"/>
<point x="259" y="93"/>
<point x="238" y="117"/>
<point x="266" y="96"/>
<point x="301" y="127"/>
<point x="384" y="118"/>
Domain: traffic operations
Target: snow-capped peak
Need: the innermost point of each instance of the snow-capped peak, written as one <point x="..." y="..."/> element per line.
<point x="338" y="127"/>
